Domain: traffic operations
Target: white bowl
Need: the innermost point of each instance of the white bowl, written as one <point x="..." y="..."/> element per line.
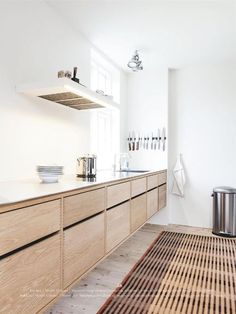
<point x="48" y="178"/>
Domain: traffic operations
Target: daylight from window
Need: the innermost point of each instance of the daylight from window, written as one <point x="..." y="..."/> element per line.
<point x="105" y="123"/>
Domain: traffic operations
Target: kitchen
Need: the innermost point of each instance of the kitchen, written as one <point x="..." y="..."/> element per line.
<point x="68" y="246"/>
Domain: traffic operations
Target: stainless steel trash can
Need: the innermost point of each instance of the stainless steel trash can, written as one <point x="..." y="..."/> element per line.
<point x="224" y="211"/>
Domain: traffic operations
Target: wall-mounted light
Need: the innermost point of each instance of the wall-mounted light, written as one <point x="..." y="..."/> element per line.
<point x="135" y="64"/>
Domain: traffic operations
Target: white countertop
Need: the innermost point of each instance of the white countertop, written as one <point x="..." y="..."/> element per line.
<point x="22" y="190"/>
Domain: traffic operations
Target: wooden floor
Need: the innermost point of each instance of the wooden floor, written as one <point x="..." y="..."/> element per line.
<point x="93" y="290"/>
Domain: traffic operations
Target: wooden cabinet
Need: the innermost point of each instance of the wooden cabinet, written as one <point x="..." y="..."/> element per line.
<point x="162" y="196"/>
<point x="83" y="247"/>
<point x="38" y="257"/>
<point x="118" y="193"/>
<point x="22" y="226"/>
<point x="138" y="186"/>
<point x="152" y="202"/>
<point x="152" y="181"/>
<point x="138" y="211"/>
<point x="118" y="225"/>
<point x="80" y="206"/>
<point x="30" y="278"/>
<point x="162" y="176"/>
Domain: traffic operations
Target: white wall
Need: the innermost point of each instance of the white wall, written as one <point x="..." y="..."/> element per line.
<point x="35" y="44"/>
<point x="147" y="111"/>
<point x="202" y="126"/>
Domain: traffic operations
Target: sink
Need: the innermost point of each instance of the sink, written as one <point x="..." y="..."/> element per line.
<point x="133" y="170"/>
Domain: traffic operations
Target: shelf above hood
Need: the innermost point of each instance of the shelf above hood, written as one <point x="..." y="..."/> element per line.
<point x="68" y="93"/>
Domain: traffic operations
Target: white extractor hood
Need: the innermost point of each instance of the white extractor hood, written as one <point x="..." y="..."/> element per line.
<point x="68" y="93"/>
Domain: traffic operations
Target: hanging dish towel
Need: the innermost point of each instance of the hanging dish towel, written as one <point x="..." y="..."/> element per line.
<point x="179" y="178"/>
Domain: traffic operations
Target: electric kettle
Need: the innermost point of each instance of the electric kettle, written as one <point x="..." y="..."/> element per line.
<point x="87" y="166"/>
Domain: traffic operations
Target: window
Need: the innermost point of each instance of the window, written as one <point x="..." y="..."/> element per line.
<point x="104" y="76"/>
<point x="105" y="139"/>
<point x="100" y="79"/>
<point x="105" y="123"/>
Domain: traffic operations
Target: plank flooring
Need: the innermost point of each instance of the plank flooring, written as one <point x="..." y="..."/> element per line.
<point x="93" y="290"/>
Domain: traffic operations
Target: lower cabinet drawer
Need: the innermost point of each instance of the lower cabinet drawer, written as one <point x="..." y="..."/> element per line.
<point x="138" y="186"/>
<point x="162" y="196"/>
<point x="22" y="226"/>
<point x="80" y="206"/>
<point x="152" y="202"/>
<point x="118" y="193"/>
<point x="83" y="247"/>
<point x="118" y="225"/>
<point x="152" y="181"/>
<point x="30" y="278"/>
<point x="138" y="211"/>
<point x="162" y="177"/>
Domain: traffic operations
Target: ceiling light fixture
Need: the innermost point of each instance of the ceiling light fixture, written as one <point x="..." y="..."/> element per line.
<point x="135" y="64"/>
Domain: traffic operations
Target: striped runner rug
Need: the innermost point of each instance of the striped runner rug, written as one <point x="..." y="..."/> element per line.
<point x="180" y="273"/>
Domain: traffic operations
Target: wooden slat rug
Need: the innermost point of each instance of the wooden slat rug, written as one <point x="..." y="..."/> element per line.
<point x="180" y="273"/>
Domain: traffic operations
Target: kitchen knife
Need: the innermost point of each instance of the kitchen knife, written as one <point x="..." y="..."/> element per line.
<point x="134" y="139"/>
<point x="129" y="141"/>
<point x="155" y="142"/>
<point x="163" y="139"/>
<point x="147" y="142"/>
<point x="152" y="139"/>
<point x="159" y="139"/>
<point x="137" y="141"/>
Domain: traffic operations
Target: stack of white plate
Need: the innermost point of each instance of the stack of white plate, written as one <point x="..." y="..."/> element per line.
<point x="49" y="174"/>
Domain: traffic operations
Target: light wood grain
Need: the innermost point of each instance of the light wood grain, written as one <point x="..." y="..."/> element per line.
<point x="106" y="276"/>
<point x="83" y="205"/>
<point x="83" y="247"/>
<point x="30" y="278"/>
<point x="118" y="225"/>
<point x="138" y="211"/>
<point x="162" y="196"/>
<point x="25" y="225"/>
<point x="152" y="202"/>
<point x="162" y="177"/>
<point x="152" y="181"/>
<point x="138" y="186"/>
<point x="118" y="193"/>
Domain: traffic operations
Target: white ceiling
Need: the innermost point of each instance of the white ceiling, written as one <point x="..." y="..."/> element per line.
<point x="167" y="33"/>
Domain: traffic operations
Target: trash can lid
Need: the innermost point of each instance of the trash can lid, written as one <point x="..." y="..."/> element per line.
<point x="224" y="189"/>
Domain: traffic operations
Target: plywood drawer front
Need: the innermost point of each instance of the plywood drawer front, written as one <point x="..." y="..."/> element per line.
<point x="138" y="211"/>
<point x="162" y="177"/>
<point x="22" y="226"/>
<point x="118" y="193"/>
<point x="138" y="186"/>
<point x="83" y="247"/>
<point x="152" y="202"/>
<point x="80" y="206"/>
<point x="30" y="278"/>
<point x="152" y="182"/>
<point x="162" y="196"/>
<point x="118" y="225"/>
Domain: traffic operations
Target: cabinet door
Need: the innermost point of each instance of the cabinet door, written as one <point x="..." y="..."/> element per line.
<point x="118" y="193"/>
<point x="138" y="186"/>
<point x="162" y="196"/>
<point x="152" y="182"/>
<point x="30" y="278"/>
<point x="118" y="225"/>
<point x="138" y="211"/>
<point x="25" y="225"/>
<point x="80" y="206"/>
<point x="162" y="177"/>
<point x="152" y="202"/>
<point x="83" y="247"/>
